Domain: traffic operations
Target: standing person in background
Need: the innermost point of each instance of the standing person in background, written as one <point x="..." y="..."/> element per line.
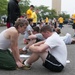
<point x="54" y="23"/>
<point x="34" y="16"/>
<point x="9" y="39"/>
<point x="73" y="26"/>
<point x="60" y="20"/>
<point x="29" y="13"/>
<point x="46" y="20"/>
<point x="13" y="12"/>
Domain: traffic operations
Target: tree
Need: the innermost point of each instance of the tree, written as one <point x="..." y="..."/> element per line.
<point x="46" y="12"/>
<point x="3" y="7"/>
<point x="24" y="5"/>
<point x="64" y="15"/>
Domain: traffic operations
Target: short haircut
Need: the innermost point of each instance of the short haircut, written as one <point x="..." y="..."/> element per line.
<point x="37" y="29"/>
<point x="32" y="6"/>
<point x="30" y="20"/>
<point x="46" y="28"/>
<point x="58" y="30"/>
<point x="20" y="22"/>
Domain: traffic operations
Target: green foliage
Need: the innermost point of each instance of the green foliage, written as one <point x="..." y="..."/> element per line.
<point x="25" y="2"/>
<point x="46" y="12"/>
<point x="3" y="7"/>
<point x="24" y="5"/>
<point x="65" y="16"/>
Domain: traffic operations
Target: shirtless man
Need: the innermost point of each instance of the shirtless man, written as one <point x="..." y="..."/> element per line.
<point x="9" y="39"/>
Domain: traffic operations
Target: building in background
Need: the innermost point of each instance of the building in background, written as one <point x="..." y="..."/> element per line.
<point x="56" y="5"/>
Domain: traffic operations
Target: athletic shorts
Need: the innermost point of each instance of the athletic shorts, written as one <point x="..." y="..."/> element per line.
<point x="52" y="64"/>
<point x="7" y="60"/>
<point x="73" y="26"/>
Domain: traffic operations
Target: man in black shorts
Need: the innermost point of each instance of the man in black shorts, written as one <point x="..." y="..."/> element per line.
<point x="52" y="51"/>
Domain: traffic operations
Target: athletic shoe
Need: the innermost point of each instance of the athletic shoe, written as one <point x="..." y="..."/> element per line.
<point x="26" y="67"/>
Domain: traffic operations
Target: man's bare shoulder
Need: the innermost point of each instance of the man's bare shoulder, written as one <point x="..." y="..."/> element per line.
<point x="11" y="32"/>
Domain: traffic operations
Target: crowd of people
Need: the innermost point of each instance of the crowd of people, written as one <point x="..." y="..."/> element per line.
<point x="42" y="40"/>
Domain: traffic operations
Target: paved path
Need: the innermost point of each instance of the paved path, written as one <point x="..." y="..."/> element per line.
<point x="38" y="69"/>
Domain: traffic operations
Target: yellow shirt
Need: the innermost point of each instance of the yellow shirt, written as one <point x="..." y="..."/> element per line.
<point x="34" y="16"/>
<point x="46" y="20"/>
<point x="29" y="13"/>
<point x="73" y="17"/>
<point x="60" y="20"/>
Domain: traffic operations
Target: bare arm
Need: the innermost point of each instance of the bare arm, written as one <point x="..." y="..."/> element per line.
<point x="30" y="43"/>
<point x="40" y="47"/>
<point x="39" y="43"/>
<point x="32" y="36"/>
<point x="14" y="48"/>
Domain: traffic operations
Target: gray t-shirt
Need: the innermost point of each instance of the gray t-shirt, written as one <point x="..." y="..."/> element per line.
<point x="29" y="28"/>
<point x="40" y="36"/>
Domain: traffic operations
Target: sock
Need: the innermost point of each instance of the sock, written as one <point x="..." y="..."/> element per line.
<point x="25" y="63"/>
<point x="24" y="48"/>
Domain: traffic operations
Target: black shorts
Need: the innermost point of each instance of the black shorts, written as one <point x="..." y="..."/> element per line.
<point x="52" y="64"/>
<point x="73" y="26"/>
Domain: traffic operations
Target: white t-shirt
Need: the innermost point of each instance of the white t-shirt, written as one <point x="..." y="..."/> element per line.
<point x="67" y="38"/>
<point x="57" y="48"/>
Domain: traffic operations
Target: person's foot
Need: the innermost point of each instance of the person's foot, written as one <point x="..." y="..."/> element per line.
<point x="26" y="67"/>
<point x="22" y="52"/>
<point x="23" y="67"/>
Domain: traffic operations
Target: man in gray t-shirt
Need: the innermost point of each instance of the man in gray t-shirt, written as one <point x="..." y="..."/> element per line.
<point x="35" y="37"/>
